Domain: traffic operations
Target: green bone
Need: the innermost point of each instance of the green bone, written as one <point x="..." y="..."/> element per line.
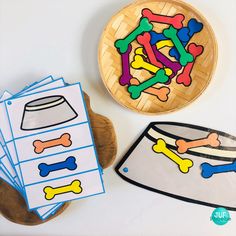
<point x="123" y="44"/>
<point x="136" y="90"/>
<point x="185" y="57"/>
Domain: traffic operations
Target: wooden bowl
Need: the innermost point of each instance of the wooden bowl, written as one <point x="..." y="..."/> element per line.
<point x="111" y="66"/>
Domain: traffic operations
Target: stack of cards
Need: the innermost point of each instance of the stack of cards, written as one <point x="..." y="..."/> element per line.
<point x="47" y="150"/>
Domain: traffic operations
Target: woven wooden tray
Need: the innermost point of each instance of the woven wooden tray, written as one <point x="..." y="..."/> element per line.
<point x="110" y="61"/>
<point x="12" y="205"/>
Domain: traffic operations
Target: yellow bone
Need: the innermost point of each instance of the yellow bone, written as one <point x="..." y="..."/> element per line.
<point x="139" y="51"/>
<point x="183" y="164"/>
<point x="164" y="43"/>
<point x="159" y="45"/>
<point x="74" y="187"/>
<point x="139" y="63"/>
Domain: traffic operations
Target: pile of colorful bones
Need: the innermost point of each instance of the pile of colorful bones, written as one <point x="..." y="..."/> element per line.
<point x="163" y="68"/>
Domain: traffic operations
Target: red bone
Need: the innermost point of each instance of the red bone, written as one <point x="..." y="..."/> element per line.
<point x="145" y="41"/>
<point x="185" y="77"/>
<point x="176" y="21"/>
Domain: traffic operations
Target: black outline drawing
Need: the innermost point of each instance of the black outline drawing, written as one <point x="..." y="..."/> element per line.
<point x="145" y="134"/>
<point x="43" y="127"/>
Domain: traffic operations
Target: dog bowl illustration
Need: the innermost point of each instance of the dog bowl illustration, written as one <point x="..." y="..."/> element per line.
<point x="47" y="112"/>
<point x="187" y="162"/>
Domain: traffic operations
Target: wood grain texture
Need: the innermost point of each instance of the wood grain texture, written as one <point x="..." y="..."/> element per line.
<point x="12" y="205"/>
<point x="110" y="61"/>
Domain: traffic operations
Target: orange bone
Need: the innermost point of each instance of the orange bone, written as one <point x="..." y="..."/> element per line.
<point x="40" y="146"/>
<point x="211" y="140"/>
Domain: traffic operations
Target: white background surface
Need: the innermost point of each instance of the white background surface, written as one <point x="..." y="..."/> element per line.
<point x="60" y="37"/>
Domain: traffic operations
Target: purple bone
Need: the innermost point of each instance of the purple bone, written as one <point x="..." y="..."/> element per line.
<point x="173" y="65"/>
<point x="126" y="76"/>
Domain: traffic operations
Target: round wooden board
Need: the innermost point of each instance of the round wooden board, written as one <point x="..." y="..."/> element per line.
<point x="110" y="61"/>
<point x="12" y="205"/>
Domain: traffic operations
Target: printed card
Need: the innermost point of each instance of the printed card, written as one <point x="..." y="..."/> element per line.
<point x="5" y="125"/>
<point x="10" y="173"/>
<point x="64" y="189"/>
<point x="52" y="138"/>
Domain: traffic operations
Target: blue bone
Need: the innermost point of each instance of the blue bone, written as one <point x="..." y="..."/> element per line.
<point x="193" y="27"/>
<point x="208" y="170"/>
<point x="183" y="35"/>
<point x="69" y="163"/>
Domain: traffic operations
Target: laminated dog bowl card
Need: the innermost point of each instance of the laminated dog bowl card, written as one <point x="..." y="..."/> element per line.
<point x="5" y="126"/>
<point x="187" y="162"/>
<point x="49" y="146"/>
<point x="10" y="159"/>
<point x="8" y="171"/>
